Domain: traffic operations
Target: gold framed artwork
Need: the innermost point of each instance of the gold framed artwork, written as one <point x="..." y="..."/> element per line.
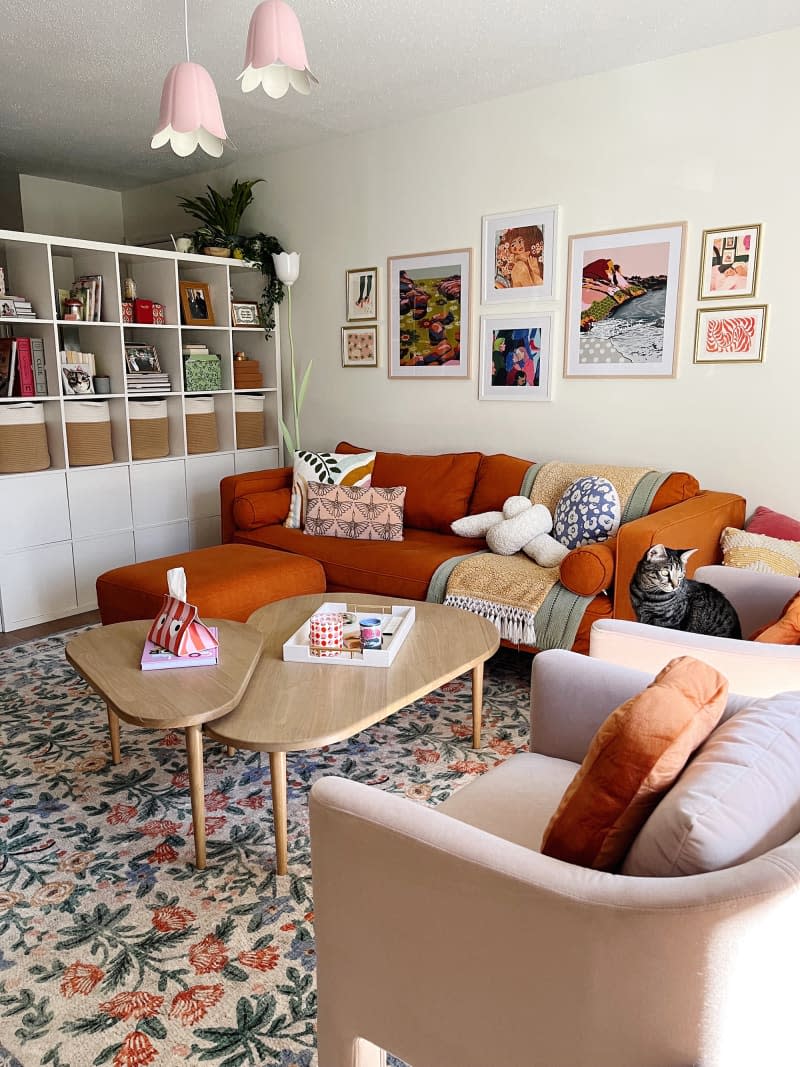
<point x="729" y="264"/>
<point x="359" y="346"/>
<point x="362" y="293"/>
<point x="730" y="334"/>
<point x="196" y="304"/>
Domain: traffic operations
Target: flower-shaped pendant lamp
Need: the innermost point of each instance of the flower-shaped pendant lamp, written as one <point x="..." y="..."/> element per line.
<point x="275" y="56"/>
<point x="190" y="112"/>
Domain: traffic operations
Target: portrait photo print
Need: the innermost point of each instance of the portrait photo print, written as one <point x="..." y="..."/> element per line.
<point x="196" y="304"/>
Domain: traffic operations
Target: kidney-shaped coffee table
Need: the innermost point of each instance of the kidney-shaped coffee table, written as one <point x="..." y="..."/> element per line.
<point x="290" y="707"/>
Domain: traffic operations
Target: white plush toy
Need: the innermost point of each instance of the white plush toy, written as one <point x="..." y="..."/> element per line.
<point x="520" y="526"/>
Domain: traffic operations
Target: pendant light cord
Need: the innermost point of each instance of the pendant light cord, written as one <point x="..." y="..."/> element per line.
<point x="186" y="26"/>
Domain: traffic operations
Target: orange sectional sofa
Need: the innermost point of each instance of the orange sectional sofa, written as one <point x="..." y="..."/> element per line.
<point x="446" y="487"/>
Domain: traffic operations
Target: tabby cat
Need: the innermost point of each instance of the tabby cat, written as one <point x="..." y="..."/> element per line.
<point x="662" y="595"/>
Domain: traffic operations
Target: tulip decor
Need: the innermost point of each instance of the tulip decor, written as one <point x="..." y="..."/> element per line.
<point x="287" y="268"/>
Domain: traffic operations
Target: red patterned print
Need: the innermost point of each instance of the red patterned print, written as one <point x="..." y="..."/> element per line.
<point x="79" y="979"/>
<point x="190" y="1006"/>
<point x="136" y="1051"/>
<point x="465" y="766"/>
<point x="733" y="334"/>
<point x="133" y="1005"/>
<point x="209" y="955"/>
<point x="159" y="828"/>
<point x="262" y="959"/>
<point x="426" y="755"/>
<point x="171" y="917"/>
<point x="163" y="853"/>
<point x="121" y="813"/>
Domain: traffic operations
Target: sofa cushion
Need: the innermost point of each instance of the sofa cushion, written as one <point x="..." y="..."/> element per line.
<point x="757" y="552"/>
<point x="738" y="798"/>
<point x="589" y="570"/>
<point x="438" y="488"/>
<point x="331" y="467"/>
<point x="261" y="508"/>
<point x="589" y="511"/>
<point x="774" y="524"/>
<point x="632" y="761"/>
<point x="499" y="477"/>
<point x="785" y="630"/>
<point x="373" y="514"/>
<point x="676" y="487"/>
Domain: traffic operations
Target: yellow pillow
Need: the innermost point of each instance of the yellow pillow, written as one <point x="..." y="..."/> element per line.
<point x="757" y="552"/>
<point x="633" y="759"/>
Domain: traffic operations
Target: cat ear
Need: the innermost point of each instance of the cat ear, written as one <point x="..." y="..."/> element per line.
<point x="657" y="552"/>
<point x="686" y="554"/>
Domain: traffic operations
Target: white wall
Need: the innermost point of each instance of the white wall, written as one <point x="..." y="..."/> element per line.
<point x="706" y="137"/>
<point x="66" y="209"/>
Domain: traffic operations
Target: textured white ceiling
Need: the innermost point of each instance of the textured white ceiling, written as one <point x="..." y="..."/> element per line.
<point x="80" y="82"/>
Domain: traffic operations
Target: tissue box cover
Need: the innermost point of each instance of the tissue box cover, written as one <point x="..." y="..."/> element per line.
<point x="178" y="629"/>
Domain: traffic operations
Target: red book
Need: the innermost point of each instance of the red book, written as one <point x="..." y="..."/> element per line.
<point x="25" y="379"/>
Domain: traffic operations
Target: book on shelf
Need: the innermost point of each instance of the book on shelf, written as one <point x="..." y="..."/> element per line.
<point x="157" y="659"/>
<point x="24" y="384"/>
<point x="147" y="382"/>
<point x="16" y="307"/>
<point x="84" y="359"/>
<point x="39" y="366"/>
<point x="8" y="350"/>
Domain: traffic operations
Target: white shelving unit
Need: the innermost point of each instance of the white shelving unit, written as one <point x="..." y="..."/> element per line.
<point x="62" y="527"/>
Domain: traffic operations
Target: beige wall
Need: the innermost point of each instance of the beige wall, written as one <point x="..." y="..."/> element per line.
<point x="706" y="137"/>
<point x="67" y="209"/>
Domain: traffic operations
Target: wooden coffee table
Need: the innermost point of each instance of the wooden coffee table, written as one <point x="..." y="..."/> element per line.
<point x="289" y="707"/>
<point x="108" y="658"/>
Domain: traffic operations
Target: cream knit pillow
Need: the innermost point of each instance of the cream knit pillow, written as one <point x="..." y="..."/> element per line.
<point x="757" y="552"/>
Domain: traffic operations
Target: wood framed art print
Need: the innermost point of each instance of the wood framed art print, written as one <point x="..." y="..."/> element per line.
<point x="196" y="304"/>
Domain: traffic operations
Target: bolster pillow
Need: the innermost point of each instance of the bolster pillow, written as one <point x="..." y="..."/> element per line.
<point x="261" y="509"/>
<point x="589" y="570"/>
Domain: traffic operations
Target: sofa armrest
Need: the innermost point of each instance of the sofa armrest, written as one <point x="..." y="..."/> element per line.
<point x="694" y="523"/>
<point x="251" y="482"/>
<point x="759" y="599"/>
<point x="571" y="695"/>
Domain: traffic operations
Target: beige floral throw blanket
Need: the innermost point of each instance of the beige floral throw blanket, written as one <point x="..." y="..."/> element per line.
<point x="512" y="591"/>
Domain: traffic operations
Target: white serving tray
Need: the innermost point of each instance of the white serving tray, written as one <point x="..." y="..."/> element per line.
<point x="398" y="617"/>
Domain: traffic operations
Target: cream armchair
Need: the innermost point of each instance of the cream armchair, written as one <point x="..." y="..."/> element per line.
<point x="446" y="938"/>
<point x="750" y="667"/>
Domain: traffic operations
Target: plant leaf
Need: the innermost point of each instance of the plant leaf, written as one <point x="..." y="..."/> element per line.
<point x="303" y="386"/>
<point x="287" y="436"/>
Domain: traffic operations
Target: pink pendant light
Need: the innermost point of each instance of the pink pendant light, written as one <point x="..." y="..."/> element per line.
<point x="190" y="112"/>
<point x="275" y="56"/>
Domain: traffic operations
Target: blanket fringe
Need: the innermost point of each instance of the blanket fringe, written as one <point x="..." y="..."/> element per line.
<point x="514" y="624"/>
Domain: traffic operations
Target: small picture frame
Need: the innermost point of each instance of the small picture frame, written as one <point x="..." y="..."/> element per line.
<point x="730" y="334"/>
<point x="196" y="307"/>
<point x="245" y="313"/>
<point x="516" y="357"/>
<point x="141" y="359"/>
<point x="519" y="256"/>
<point x="729" y="265"/>
<point x="359" y="346"/>
<point x="76" y="379"/>
<point x="362" y="293"/>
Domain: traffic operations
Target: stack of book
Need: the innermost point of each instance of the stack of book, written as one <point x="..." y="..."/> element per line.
<point x="247" y="374"/>
<point x="22" y="367"/>
<point x="147" y="382"/>
<point x="89" y="290"/>
<point x="16" y="307"/>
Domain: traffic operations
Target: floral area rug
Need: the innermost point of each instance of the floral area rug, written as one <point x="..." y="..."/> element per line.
<point x="113" y="948"/>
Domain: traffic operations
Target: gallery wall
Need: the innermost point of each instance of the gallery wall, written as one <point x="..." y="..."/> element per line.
<point x="701" y="138"/>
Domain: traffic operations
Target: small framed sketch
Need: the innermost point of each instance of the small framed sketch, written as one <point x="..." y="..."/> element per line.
<point x="729" y="265"/>
<point x="362" y="293"/>
<point x="141" y="359"/>
<point x="77" y="379"/>
<point x="359" y="346"/>
<point x="429" y="315"/>
<point x="196" y="304"/>
<point x="515" y="357"/>
<point x="731" y="334"/>
<point x="518" y="256"/>
<point x="245" y="313"/>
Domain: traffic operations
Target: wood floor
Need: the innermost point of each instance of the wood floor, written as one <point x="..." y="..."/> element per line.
<point x="44" y="629"/>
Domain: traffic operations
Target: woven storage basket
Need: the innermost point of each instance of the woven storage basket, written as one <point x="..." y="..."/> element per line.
<point x="250" y="422"/>
<point x="149" y="429"/>
<point x="88" y="425"/>
<point x="201" y="425"/>
<point x="23" y="439"/>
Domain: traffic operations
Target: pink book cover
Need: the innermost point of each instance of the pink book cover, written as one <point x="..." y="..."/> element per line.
<point x="158" y="659"/>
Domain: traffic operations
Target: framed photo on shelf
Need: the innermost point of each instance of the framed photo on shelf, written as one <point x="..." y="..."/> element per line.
<point x="731" y="334"/>
<point x="429" y="314"/>
<point x="359" y="346"/>
<point x="729" y="264"/>
<point x="516" y="357"/>
<point x="76" y="379"/>
<point x="196" y="304"/>
<point x="623" y="302"/>
<point x="362" y="293"/>
<point x="141" y="359"/>
<point x="245" y="313"/>
<point x="519" y="256"/>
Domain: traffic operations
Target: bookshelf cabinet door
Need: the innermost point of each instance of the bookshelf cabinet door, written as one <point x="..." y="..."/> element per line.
<point x="37" y="584"/>
<point x="156" y="541"/>
<point x="203" y="475"/>
<point x="99" y="501"/>
<point x="34" y="512"/>
<point x="93" y="557"/>
<point x="158" y="491"/>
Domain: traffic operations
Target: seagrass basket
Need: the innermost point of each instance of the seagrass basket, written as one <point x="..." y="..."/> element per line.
<point x="201" y="425"/>
<point x="88" y="425"/>
<point x="149" y="429"/>
<point x="23" y="439"/>
<point x="249" y="421"/>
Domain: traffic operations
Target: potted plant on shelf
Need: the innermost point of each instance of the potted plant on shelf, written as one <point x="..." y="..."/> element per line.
<point x="218" y="235"/>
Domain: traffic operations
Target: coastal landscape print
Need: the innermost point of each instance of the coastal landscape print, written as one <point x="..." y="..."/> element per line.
<point x="622" y="311"/>
<point x="429" y="315"/>
<point x="518" y="254"/>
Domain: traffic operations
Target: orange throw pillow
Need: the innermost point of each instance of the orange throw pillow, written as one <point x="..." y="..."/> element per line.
<point x="786" y="629"/>
<point x="632" y="761"/>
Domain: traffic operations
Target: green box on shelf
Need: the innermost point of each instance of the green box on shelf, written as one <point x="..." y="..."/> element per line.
<point x="202" y="372"/>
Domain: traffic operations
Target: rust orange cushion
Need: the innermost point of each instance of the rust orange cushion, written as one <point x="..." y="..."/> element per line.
<point x="679" y="486"/>
<point x="632" y="761"/>
<point x="499" y="477"/>
<point x="589" y="570"/>
<point x="253" y="510"/>
<point x="786" y="629"/>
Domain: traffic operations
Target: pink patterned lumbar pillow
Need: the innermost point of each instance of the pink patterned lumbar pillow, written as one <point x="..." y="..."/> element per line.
<point x="346" y="511"/>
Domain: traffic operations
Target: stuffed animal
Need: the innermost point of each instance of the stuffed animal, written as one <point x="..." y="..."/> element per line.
<point x="520" y="526"/>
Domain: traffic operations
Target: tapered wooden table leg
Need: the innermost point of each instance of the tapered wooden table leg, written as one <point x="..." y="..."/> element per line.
<point x="230" y="750"/>
<point x="113" y="730"/>
<point x="477" y="704"/>
<point x="194" y="754"/>
<point x="277" y="772"/>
